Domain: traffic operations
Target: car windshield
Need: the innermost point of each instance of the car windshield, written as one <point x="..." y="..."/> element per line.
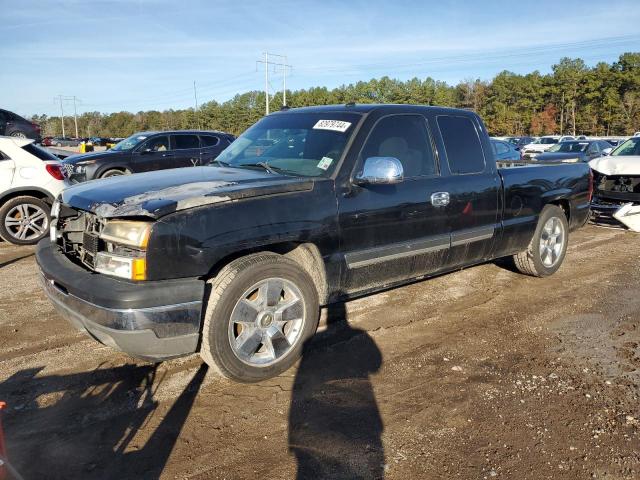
<point x="630" y="147"/>
<point x="130" y="142"/>
<point x="569" y="147"/>
<point x="299" y="144"/>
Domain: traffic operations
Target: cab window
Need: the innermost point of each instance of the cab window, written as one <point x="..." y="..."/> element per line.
<point x="406" y="138"/>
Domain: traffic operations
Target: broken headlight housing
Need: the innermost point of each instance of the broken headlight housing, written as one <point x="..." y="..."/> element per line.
<point x="125" y="249"/>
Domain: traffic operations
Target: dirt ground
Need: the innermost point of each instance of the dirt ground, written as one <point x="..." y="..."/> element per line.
<point x="484" y="373"/>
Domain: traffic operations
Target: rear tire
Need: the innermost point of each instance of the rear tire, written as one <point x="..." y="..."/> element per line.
<point x="113" y="173"/>
<point x="18" y="134"/>
<point x="548" y="247"/>
<point x="261" y="310"/>
<point x="24" y="220"/>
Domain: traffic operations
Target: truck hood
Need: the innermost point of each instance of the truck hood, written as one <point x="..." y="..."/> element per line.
<point x="156" y="194"/>
<point x="559" y="156"/>
<point x="618" y="165"/>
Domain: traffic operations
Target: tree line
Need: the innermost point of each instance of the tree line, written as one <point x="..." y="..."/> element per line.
<point x="572" y="99"/>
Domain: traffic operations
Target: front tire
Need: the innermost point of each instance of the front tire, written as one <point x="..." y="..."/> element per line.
<point x="18" y="134"/>
<point x="548" y="247"/>
<point x="24" y="220"/>
<point x="261" y="310"/>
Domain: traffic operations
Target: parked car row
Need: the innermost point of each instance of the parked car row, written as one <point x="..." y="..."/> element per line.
<point x="61" y="142"/>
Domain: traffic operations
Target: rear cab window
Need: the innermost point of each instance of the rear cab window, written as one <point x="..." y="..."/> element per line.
<point x="462" y="144"/>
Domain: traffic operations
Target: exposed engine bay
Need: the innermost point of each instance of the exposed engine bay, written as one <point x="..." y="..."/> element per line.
<point x="616" y="199"/>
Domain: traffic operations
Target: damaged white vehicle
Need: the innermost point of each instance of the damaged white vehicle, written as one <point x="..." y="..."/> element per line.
<point x="616" y="182"/>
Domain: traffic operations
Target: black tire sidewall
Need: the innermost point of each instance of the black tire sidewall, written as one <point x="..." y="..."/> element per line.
<point x="4" y="209"/>
<point x="112" y="173"/>
<point x="548" y="212"/>
<point x="221" y="315"/>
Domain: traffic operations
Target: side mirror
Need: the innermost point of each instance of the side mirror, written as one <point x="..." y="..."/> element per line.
<point x="607" y="151"/>
<point x="380" y="171"/>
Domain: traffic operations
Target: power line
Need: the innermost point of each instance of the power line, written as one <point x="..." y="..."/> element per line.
<point x="284" y="67"/>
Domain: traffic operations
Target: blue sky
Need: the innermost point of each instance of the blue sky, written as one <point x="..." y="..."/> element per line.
<point x="145" y="54"/>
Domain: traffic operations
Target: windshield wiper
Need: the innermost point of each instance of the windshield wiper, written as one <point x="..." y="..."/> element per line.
<point x="265" y="165"/>
<point x="221" y="163"/>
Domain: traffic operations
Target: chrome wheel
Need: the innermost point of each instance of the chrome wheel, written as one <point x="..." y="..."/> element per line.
<point x="551" y="241"/>
<point x="18" y="135"/>
<point x="267" y="322"/>
<point x="26" y="222"/>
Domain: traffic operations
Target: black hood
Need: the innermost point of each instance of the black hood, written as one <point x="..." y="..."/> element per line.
<point x="93" y="156"/>
<point x="559" y="156"/>
<point x="156" y="194"/>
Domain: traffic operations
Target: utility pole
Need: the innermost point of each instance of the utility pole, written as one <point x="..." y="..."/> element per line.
<point x="75" y="115"/>
<point x="284" y="82"/>
<point x="284" y="66"/>
<point x="59" y="97"/>
<point x="195" y="96"/>
<point x="266" y="82"/>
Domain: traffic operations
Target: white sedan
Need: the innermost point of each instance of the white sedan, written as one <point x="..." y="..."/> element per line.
<point x="30" y="179"/>
<point x="542" y="144"/>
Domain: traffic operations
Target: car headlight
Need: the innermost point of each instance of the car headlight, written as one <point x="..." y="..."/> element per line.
<point x="132" y="268"/>
<point x="125" y="255"/>
<point x="127" y="232"/>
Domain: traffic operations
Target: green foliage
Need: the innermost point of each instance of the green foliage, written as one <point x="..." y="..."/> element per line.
<point x="573" y="99"/>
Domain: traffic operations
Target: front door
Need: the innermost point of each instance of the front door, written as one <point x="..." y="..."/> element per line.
<point x="394" y="232"/>
<point x="154" y="154"/>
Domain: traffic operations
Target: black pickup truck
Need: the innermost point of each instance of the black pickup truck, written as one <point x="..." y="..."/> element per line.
<point x="309" y="206"/>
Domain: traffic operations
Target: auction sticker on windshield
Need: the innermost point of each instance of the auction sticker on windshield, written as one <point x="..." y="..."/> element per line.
<point x="325" y="163"/>
<point x="334" y="125"/>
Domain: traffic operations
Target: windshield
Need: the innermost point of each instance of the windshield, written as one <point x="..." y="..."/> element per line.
<point x="301" y="144"/>
<point x="130" y="142"/>
<point x="569" y="147"/>
<point x="630" y="147"/>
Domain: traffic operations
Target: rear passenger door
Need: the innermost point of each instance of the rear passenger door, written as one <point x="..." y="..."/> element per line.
<point x="391" y="233"/>
<point x="473" y="186"/>
<point x="210" y="147"/>
<point x="185" y="150"/>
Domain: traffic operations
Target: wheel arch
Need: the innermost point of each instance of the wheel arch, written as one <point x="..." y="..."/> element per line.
<point x="306" y="255"/>
<point x="111" y="166"/>
<point x="36" y="192"/>
<point x="564" y="204"/>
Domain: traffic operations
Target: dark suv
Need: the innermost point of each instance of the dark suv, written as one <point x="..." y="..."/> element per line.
<point x="14" y="125"/>
<point x="146" y="151"/>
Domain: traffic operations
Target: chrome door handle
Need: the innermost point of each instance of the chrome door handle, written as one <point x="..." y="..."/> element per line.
<point x="440" y="199"/>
